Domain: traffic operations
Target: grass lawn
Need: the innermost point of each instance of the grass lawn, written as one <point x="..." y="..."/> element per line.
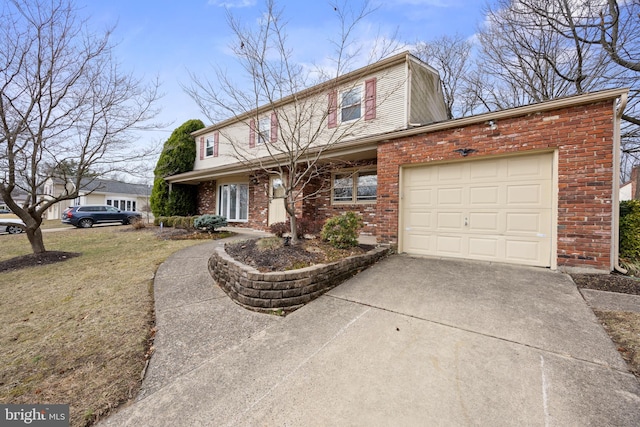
<point x="76" y="332"/>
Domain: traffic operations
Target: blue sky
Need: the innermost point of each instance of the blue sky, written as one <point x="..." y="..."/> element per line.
<point x="170" y="38"/>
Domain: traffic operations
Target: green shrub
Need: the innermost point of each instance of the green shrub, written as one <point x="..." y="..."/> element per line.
<point x="342" y="231"/>
<point x="210" y="222"/>
<point x="630" y="230"/>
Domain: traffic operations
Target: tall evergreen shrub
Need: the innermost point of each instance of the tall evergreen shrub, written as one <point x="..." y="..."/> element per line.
<point x="178" y="156"/>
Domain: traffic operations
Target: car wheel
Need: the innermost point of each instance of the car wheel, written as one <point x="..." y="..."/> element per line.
<point x="12" y="229"/>
<point x="85" y="223"/>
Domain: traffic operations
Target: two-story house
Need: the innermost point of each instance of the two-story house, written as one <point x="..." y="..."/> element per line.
<point x="397" y="93"/>
<point x="534" y="185"/>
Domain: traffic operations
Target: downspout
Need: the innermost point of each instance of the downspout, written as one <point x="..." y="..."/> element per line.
<point x="618" y="110"/>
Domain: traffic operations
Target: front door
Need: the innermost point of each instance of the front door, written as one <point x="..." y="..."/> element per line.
<point x="277" y="212"/>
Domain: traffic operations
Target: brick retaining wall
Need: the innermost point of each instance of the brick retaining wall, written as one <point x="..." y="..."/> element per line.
<point x="284" y="290"/>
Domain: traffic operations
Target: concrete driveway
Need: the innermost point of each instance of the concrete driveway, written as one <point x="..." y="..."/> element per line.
<point x="410" y="341"/>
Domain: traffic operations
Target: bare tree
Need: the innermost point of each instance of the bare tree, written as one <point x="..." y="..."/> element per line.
<point x="64" y="100"/>
<point x="612" y="27"/>
<point x="451" y="56"/>
<point x="291" y="93"/>
<point x="527" y="60"/>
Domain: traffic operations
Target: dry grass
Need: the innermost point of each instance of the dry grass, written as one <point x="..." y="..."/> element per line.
<point x="76" y="332"/>
<point x="624" y="329"/>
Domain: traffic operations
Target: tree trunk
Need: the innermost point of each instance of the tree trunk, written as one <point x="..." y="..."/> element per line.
<point x="35" y="238"/>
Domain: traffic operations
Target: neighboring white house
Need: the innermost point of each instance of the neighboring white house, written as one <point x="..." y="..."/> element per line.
<point x="628" y="189"/>
<point x="122" y="195"/>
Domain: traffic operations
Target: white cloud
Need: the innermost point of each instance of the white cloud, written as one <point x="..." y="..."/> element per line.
<point x="233" y="3"/>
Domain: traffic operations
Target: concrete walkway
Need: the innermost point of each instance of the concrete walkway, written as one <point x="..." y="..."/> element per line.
<point x="410" y="341"/>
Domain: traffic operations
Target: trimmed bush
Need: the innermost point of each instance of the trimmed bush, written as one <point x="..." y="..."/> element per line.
<point x="342" y="231"/>
<point x="630" y="230"/>
<point x="210" y="222"/>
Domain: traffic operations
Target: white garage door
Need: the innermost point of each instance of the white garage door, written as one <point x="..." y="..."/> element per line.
<point x="495" y="210"/>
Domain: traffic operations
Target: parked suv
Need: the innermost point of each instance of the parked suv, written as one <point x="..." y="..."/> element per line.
<point x="87" y="215"/>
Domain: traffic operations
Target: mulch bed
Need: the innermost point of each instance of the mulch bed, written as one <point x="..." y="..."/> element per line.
<point x="283" y="258"/>
<point x="608" y="282"/>
<point x="49" y="257"/>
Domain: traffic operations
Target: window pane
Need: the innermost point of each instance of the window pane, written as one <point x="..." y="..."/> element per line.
<point x="343" y="188"/>
<point x="243" y="199"/>
<point x="351" y="101"/>
<point x="367" y="185"/>
<point x="209" y="147"/>
<point x="264" y="130"/>
<point x="232" y="201"/>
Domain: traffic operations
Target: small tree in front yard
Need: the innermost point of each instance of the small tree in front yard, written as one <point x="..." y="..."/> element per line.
<point x="288" y="142"/>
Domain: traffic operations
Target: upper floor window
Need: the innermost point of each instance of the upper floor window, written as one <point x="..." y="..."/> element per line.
<point x="350" y="105"/>
<point x="264" y="130"/>
<point x="209" y="147"/>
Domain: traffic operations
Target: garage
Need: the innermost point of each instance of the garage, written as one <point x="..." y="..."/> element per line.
<point x="493" y="209"/>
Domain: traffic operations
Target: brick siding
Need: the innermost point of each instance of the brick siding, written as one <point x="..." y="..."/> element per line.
<point x="583" y="137"/>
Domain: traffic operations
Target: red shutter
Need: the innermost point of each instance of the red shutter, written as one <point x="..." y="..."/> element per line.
<point x="201" y="147"/>
<point x="274" y="127"/>
<point x="332" y="114"/>
<point x="252" y="133"/>
<point x="370" y="99"/>
<point x="216" y="141"/>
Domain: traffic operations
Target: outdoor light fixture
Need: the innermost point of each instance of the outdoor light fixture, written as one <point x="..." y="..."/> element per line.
<point x="465" y="151"/>
<point x="277" y="183"/>
<point x="492" y="124"/>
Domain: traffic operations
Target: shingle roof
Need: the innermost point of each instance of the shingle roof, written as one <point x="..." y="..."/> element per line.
<point x="111" y="186"/>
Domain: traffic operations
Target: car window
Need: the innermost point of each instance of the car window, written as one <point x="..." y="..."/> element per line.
<point x="111" y="209"/>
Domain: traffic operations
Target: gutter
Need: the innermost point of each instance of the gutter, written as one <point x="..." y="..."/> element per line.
<point x="618" y="110"/>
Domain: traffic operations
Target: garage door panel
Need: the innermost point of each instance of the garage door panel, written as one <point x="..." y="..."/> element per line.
<point x="420" y="197"/>
<point x="487" y="169"/>
<point x="450" y="196"/>
<point x="493" y="209"/>
<point x="448" y="221"/>
<point x="484" y="195"/>
<point x="533" y="223"/>
<point x="449" y="245"/>
<point x="483" y="247"/>
<point x="420" y="243"/>
<point x="417" y="219"/>
<point x="536" y="167"/>
<point x="484" y="222"/>
<point x="524" y="251"/>
<point x="452" y="172"/>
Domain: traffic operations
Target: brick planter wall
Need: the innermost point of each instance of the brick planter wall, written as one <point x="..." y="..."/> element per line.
<point x="284" y="290"/>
